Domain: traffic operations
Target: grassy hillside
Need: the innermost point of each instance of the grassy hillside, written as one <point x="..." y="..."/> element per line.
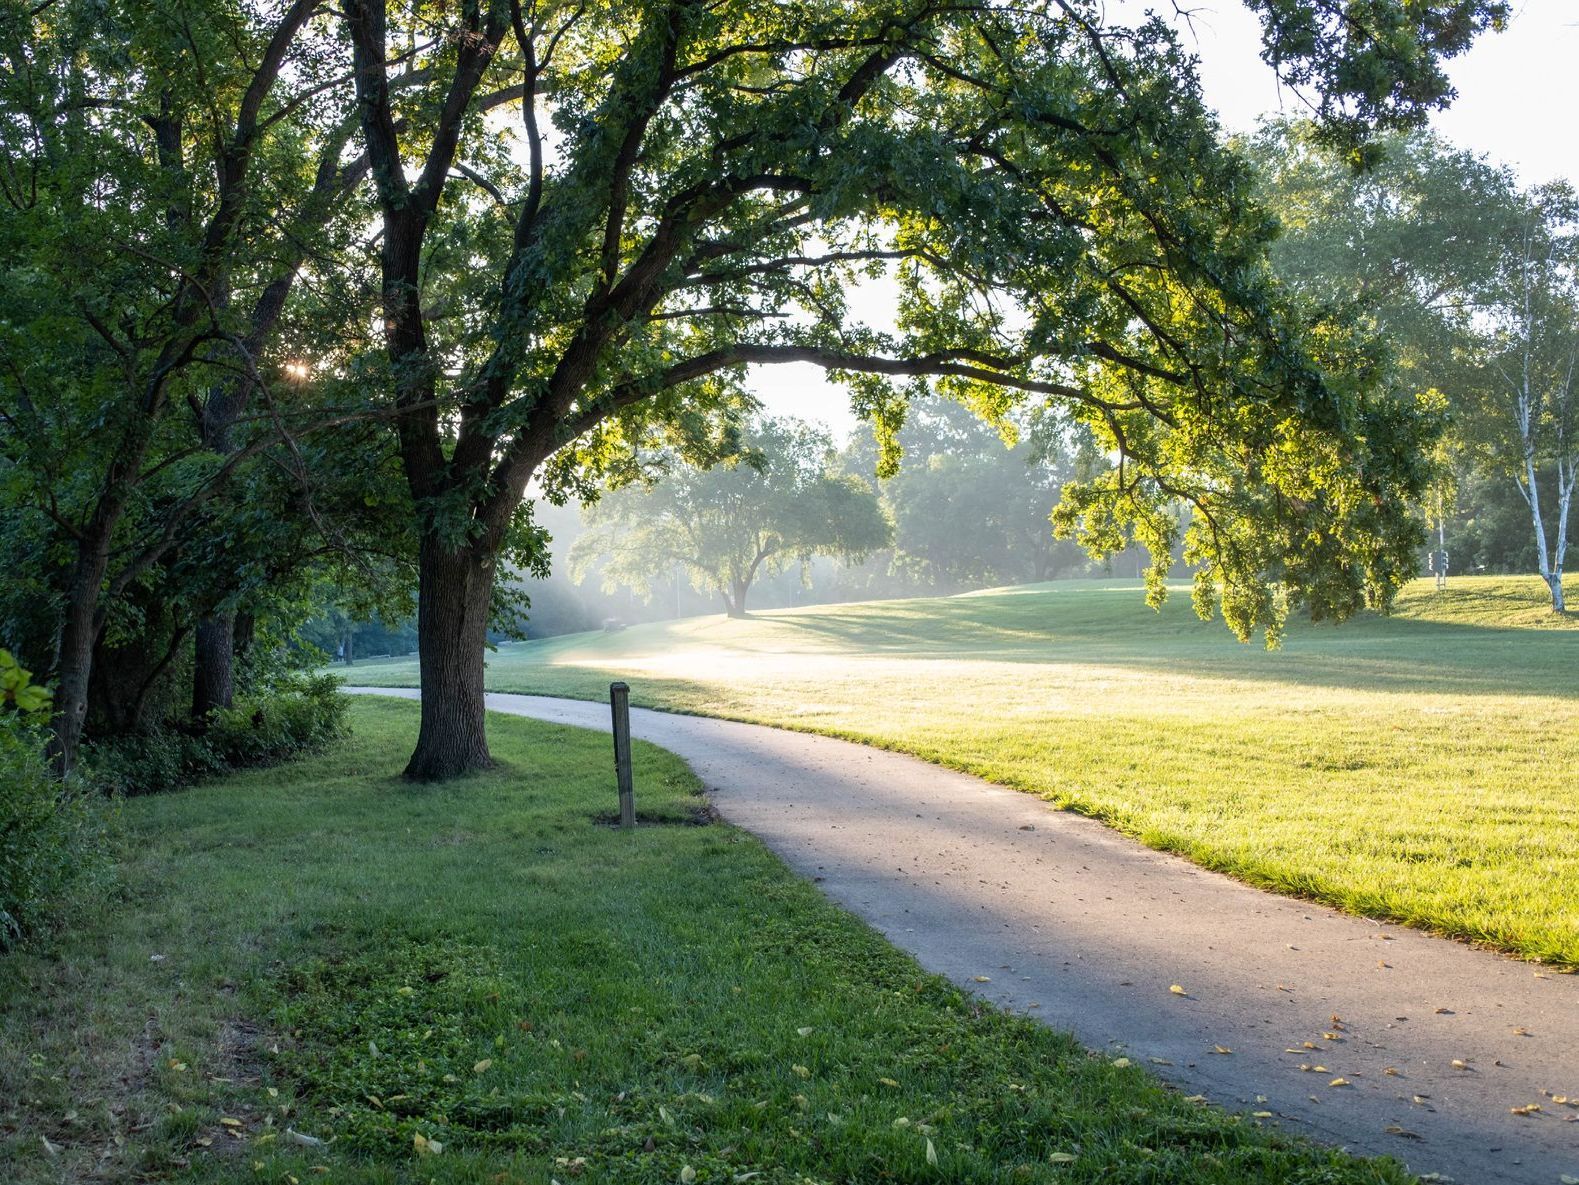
<point x="1418" y="767"/>
<point x="319" y="973"/>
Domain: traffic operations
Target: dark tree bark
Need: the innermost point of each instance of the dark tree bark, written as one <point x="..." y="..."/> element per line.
<point x="455" y="593"/>
<point x="735" y="599"/>
<point x="213" y="679"/>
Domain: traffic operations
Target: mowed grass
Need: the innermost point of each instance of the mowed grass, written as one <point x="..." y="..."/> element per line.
<point x="482" y="983"/>
<point x="1422" y="767"/>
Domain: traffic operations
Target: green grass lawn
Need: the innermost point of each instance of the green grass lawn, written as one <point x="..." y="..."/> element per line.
<point x="1422" y="767"/>
<point x="480" y="983"/>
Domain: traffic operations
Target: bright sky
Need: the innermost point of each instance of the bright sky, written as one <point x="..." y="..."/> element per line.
<point x="1516" y="104"/>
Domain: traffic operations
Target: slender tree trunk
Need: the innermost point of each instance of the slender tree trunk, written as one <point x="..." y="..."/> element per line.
<point x="1565" y="492"/>
<point x="455" y="588"/>
<point x="78" y="636"/>
<point x="213" y="683"/>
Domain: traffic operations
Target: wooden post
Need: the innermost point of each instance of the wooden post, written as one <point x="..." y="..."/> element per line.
<point x="619" y="701"/>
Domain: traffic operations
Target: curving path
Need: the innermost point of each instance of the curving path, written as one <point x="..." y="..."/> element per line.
<point x="1051" y="914"/>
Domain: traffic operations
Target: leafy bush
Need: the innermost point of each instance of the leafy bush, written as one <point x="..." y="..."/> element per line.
<point x="292" y="716"/>
<point x="51" y="834"/>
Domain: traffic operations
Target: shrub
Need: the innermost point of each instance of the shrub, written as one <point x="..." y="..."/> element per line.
<point x="52" y="835"/>
<point x="291" y="716"/>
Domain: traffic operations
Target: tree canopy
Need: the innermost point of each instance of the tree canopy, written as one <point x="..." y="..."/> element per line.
<point x="774" y="503"/>
<point x="590" y="220"/>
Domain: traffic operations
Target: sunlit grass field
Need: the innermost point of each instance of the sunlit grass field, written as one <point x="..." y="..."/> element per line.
<point x="320" y="973"/>
<point x="1422" y="767"/>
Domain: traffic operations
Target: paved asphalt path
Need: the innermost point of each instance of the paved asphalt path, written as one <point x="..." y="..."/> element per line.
<point x="1051" y="914"/>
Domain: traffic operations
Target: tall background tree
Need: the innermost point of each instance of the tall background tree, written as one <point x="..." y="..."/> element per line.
<point x="774" y="503"/>
<point x="1471" y="283"/>
<point x="971" y="503"/>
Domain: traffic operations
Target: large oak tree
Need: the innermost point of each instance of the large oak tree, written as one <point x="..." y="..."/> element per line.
<point x="692" y="188"/>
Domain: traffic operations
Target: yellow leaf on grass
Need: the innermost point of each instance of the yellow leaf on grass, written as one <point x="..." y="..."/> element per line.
<point x="687" y="1175"/>
<point x="932" y="1154"/>
<point x="888" y="1082"/>
<point x="1177" y="990"/>
<point x="425" y="1146"/>
<point x="483" y="1066"/>
<point x="801" y="1071"/>
<point x="805" y="1031"/>
<point x="1121" y="1062"/>
<point x="227" y="1122"/>
<point x="1063" y="1158"/>
<point x="1261" y="1115"/>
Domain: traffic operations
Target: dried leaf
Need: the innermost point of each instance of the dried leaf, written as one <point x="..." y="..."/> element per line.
<point x="1339" y="1082"/>
<point x="1177" y="990"/>
<point x="687" y="1175"/>
<point x="1220" y="1049"/>
<point x="983" y="978"/>
<point x="1121" y="1062"/>
<point x="483" y="1066"/>
<point x="1062" y="1158"/>
<point x="801" y="1071"/>
<point x="425" y="1146"/>
<point x="932" y="1154"/>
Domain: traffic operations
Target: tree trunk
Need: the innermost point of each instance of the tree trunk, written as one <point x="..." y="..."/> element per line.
<point x="213" y="684"/>
<point x="735" y="604"/>
<point x="1555" y="583"/>
<point x="79" y="635"/>
<point x="454" y="592"/>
